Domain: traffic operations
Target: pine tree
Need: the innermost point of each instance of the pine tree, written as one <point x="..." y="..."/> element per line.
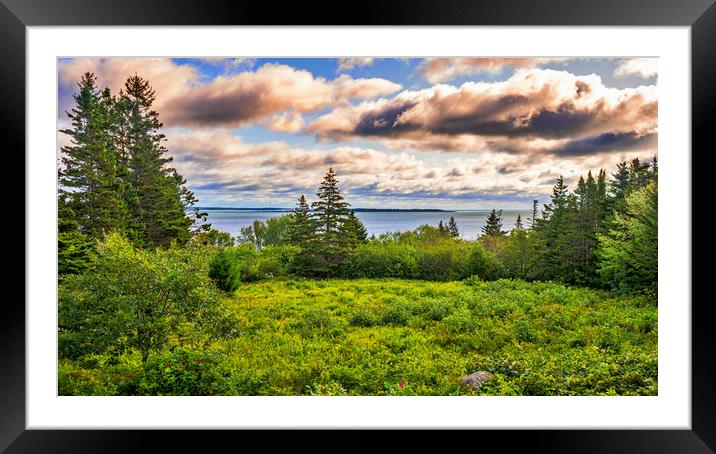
<point x="493" y="226"/>
<point x="548" y="230"/>
<point x="355" y="229"/>
<point x="90" y="177"/>
<point x="518" y="223"/>
<point x="158" y="198"/>
<point x="452" y="228"/>
<point x="330" y="214"/>
<point x="533" y="219"/>
<point x="302" y="231"/>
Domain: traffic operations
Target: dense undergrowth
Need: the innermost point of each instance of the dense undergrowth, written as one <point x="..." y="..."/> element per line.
<point x="366" y="336"/>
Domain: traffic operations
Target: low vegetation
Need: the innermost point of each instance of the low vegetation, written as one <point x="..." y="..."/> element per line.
<point x="366" y="336"/>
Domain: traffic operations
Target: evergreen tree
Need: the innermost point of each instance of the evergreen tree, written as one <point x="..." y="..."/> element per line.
<point x="452" y="228"/>
<point x="548" y="230"/>
<point x="518" y="223"/>
<point x="303" y="229"/>
<point x="629" y="250"/>
<point x="90" y="175"/>
<point x="355" y="229"/>
<point x="331" y="213"/>
<point x="441" y="227"/>
<point x="158" y="198"/>
<point x="493" y="226"/>
<point x="533" y="219"/>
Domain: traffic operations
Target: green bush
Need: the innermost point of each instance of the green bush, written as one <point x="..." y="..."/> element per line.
<point x="378" y="259"/>
<point x="224" y="270"/>
<point x="134" y="299"/>
<point x="480" y="262"/>
<point x="442" y="261"/>
<point x="185" y="372"/>
<point x="275" y="261"/>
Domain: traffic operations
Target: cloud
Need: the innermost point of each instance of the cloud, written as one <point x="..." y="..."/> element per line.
<point x="168" y="79"/>
<point x="231" y="99"/>
<point x="346" y="64"/>
<point x="532" y="111"/>
<point x="286" y="122"/>
<point x="220" y="166"/>
<point x="640" y="67"/>
<point x="442" y="69"/>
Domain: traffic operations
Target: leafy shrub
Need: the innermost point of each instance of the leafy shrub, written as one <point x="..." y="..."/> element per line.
<point x="185" y="372"/>
<point x="134" y="299"/>
<point x="275" y="261"/>
<point x="441" y="261"/>
<point x="395" y="314"/>
<point x="224" y="270"/>
<point x="480" y="262"/>
<point x="377" y="259"/>
<point x="362" y="318"/>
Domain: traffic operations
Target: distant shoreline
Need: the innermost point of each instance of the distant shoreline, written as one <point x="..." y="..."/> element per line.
<point x="357" y="210"/>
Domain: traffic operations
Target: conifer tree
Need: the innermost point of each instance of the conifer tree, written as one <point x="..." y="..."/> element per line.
<point x="533" y="219"/>
<point x="355" y="229"/>
<point x="452" y="227"/>
<point x="518" y="223"/>
<point x="493" y="226"/>
<point x="90" y="175"/>
<point x="303" y="229"/>
<point x="158" y="198"/>
<point x="330" y="214"/>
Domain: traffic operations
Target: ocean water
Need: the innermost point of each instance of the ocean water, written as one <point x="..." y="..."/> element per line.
<point x="469" y="222"/>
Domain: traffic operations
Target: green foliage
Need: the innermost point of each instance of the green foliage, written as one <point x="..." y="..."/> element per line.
<point x="442" y="261"/>
<point x="629" y="249"/>
<point x="134" y="299"/>
<point x="480" y="262"/>
<point x="379" y="259"/>
<point x="224" y="270"/>
<point x="365" y="337"/>
<point x="183" y="372"/>
<point x="493" y="224"/>
<point x="214" y="238"/>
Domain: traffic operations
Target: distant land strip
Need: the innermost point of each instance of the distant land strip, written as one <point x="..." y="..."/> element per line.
<point x="357" y="210"/>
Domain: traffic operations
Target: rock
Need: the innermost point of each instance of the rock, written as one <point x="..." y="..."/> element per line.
<point x="476" y="379"/>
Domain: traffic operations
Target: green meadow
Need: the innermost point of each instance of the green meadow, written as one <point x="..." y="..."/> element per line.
<point x="369" y="336"/>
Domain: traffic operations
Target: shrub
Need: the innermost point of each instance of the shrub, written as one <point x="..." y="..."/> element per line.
<point x="442" y="261"/>
<point x="395" y="314"/>
<point x="481" y="262"/>
<point x="275" y="261"/>
<point x="134" y="299"/>
<point x="185" y="372"/>
<point x="224" y="270"/>
<point x="378" y="259"/>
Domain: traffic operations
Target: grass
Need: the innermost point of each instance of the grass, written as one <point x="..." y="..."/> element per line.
<point x="363" y="337"/>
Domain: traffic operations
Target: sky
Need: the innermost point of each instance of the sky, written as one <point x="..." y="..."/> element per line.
<point x="439" y="132"/>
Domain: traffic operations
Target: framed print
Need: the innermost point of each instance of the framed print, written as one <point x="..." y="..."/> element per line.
<point x="423" y="217"/>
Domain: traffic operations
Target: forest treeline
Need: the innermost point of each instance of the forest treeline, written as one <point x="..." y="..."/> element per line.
<point x="601" y="234"/>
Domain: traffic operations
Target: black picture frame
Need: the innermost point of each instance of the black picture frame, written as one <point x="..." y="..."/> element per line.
<point x="699" y="15"/>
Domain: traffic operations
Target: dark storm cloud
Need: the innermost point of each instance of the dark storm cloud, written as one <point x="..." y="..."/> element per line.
<point x="606" y="142"/>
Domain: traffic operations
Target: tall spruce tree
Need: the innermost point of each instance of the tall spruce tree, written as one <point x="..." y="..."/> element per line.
<point x="331" y="213"/>
<point x="355" y="229"/>
<point x="158" y="198"/>
<point x="493" y="225"/>
<point x="452" y="227"/>
<point x="302" y="231"/>
<point x="90" y="175"/>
